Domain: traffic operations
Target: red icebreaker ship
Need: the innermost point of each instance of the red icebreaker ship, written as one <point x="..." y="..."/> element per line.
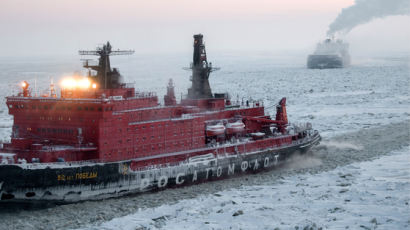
<point x="99" y="137"/>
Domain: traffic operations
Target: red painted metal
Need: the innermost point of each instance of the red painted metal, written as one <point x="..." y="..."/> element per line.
<point x="114" y="122"/>
<point x="120" y="126"/>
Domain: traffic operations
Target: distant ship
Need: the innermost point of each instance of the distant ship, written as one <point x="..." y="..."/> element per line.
<point x="329" y="54"/>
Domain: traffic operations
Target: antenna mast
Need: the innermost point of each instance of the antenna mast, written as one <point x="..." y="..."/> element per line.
<point x="106" y="77"/>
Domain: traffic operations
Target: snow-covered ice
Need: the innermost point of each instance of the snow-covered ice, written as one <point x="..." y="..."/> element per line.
<point x="361" y="195"/>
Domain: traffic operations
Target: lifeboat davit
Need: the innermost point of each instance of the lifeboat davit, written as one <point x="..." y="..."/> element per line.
<point x="235" y="127"/>
<point x="215" y="130"/>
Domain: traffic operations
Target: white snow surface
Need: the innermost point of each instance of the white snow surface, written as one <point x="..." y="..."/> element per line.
<point x="361" y="195"/>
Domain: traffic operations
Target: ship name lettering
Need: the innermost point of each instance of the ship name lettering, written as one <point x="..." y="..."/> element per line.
<point x="244" y="165"/>
<point x="231" y="170"/>
<point x="219" y="171"/>
<point x="162" y="181"/>
<point x="178" y="179"/>
<point x="144" y="183"/>
<point x="207" y="172"/>
<point x="195" y="176"/>
<point x="266" y="162"/>
<point x="60" y="177"/>
<point x="256" y="165"/>
<point x="85" y="175"/>
<point x="276" y="159"/>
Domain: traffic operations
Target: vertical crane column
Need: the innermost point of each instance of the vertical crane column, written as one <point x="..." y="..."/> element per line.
<point x="200" y="71"/>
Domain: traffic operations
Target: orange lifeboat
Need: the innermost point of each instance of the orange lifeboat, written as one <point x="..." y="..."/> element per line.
<point x="215" y="130"/>
<point x="235" y="127"/>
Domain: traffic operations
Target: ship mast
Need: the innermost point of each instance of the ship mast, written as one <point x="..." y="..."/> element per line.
<point x="106" y="77"/>
<point x="200" y="71"/>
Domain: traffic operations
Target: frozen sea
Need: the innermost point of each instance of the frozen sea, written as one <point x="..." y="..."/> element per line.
<point x="358" y="178"/>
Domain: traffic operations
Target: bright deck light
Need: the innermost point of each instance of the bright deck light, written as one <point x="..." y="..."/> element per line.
<point x="72" y="83"/>
<point x="84" y="83"/>
<point x="69" y="83"/>
<point x="24" y="84"/>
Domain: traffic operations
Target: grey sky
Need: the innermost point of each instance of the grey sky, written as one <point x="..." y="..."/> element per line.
<point x="50" y="27"/>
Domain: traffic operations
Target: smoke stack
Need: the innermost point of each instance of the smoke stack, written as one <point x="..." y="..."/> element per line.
<point x="200" y="71"/>
<point x="364" y="11"/>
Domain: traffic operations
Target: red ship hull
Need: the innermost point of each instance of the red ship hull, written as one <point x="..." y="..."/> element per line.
<point x="64" y="183"/>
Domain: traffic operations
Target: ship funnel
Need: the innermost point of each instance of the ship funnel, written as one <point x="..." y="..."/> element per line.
<point x="201" y="69"/>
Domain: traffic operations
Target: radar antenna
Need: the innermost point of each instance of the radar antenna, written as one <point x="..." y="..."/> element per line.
<point x="106" y="78"/>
